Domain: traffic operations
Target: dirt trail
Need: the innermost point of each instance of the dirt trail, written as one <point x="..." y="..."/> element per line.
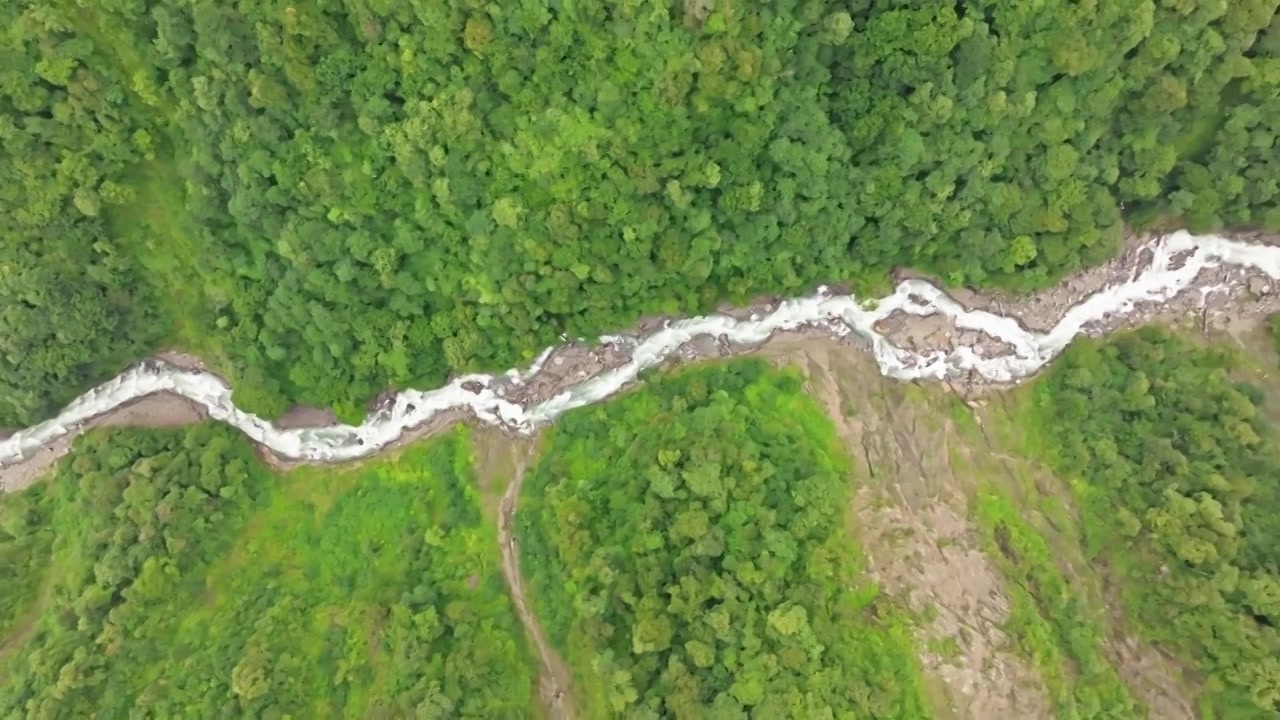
<point x="554" y="684"/>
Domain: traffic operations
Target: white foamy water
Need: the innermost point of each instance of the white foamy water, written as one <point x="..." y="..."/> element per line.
<point x="841" y="314"/>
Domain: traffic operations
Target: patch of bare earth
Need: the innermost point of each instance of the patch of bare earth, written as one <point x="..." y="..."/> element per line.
<point x="494" y="460"/>
<point x="1153" y="678"/>
<point x="921" y="549"/>
<point x="304" y="416"/>
<point x="912" y="517"/>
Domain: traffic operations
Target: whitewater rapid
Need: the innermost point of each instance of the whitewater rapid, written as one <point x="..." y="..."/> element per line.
<point x="841" y="315"/>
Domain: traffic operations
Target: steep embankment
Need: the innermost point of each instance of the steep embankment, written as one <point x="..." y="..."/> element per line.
<point x="927" y="465"/>
<point x="1098" y="543"/>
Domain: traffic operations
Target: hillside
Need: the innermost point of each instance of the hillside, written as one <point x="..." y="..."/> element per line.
<point x="170" y="573"/>
<point x="1023" y="554"/>
<point x="1035" y="480"/>
<point x="328" y="199"/>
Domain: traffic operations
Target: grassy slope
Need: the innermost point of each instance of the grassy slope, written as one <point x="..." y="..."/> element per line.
<point x="336" y="547"/>
<point x="154" y="229"/>
<point x="25" y="540"/>
<point x="155" y="226"/>
<point x="316" y="584"/>
<point x="1059" y="615"/>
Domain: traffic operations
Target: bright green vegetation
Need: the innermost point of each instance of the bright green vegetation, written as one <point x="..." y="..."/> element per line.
<point x="26" y="536"/>
<point x="1176" y="469"/>
<point x="1051" y="618"/>
<point x="329" y="198"/>
<point x="134" y="518"/>
<point x="689" y="550"/>
<point x="190" y="582"/>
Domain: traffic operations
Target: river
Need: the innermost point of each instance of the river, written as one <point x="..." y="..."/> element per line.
<point x="1177" y="261"/>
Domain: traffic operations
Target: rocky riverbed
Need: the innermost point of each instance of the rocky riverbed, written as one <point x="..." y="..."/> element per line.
<point x="972" y="339"/>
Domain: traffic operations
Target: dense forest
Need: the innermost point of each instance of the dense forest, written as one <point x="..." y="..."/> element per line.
<point x="73" y="304"/>
<point x="180" y="579"/>
<point x="689" y="550"/>
<point x="1176" y="469"/>
<point x="328" y="198"/>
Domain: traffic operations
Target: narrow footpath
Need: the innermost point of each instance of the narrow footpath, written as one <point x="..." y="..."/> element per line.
<point x="554" y="684"/>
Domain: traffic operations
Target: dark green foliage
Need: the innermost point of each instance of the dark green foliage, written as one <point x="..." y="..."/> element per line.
<point x="687" y="546"/>
<point x="1178" y="475"/>
<point x="998" y="141"/>
<point x="189" y="582"/>
<point x="72" y="307"/>
<point x="377" y="192"/>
